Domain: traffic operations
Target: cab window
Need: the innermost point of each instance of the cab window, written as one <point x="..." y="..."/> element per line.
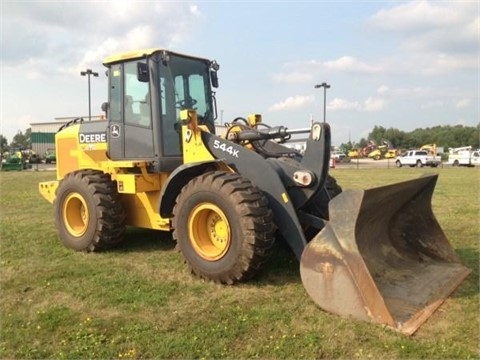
<point x="115" y="108"/>
<point x="137" y="107"/>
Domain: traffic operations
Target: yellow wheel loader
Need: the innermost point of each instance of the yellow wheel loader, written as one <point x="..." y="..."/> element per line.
<point x="157" y="163"/>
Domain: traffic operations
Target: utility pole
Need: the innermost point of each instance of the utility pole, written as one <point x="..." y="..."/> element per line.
<point x="325" y="87"/>
<point x="87" y="73"/>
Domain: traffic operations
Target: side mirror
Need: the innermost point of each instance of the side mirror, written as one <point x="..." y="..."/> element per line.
<point x="214" y="78"/>
<point x="105" y="107"/>
<point x="142" y="72"/>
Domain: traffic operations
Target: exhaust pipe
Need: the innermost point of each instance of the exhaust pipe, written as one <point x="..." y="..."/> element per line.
<point x="383" y="257"/>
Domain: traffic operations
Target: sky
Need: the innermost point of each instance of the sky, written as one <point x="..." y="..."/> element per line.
<point x="396" y="64"/>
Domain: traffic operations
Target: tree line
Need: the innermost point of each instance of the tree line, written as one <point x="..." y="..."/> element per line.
<point x="443" y="136"/>
<point x="21" y="141"/>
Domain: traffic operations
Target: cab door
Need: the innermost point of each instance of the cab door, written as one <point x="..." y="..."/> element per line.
<point x="130" y="120"/>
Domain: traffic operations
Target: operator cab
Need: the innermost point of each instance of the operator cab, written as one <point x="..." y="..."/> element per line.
<point x="147" y="91"/>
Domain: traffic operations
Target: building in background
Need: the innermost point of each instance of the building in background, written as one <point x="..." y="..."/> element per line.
<point x="43" y="134"/>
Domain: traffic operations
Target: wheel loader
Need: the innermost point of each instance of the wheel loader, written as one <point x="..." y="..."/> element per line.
<point x="156" y="162"/>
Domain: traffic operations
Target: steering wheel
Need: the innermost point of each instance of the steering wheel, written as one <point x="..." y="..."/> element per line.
<point x="187" y="103"/>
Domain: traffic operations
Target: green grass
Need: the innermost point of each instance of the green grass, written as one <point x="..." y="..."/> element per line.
<point x="139" y="301"/>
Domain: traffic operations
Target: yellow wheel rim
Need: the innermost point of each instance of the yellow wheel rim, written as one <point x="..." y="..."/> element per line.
<point x="75" y="214"/>
<point x="209" y="231"/>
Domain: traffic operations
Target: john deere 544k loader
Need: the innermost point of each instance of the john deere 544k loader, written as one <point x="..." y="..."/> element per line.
<point x="376" y="255"/>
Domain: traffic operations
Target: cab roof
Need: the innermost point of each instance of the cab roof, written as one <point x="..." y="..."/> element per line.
<point x="139" y="54"/>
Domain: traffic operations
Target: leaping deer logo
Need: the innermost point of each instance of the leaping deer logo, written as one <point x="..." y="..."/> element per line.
<point x="115" y="131"/>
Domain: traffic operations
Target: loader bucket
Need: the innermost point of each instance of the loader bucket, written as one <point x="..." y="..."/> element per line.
<point x="383" y="257"/>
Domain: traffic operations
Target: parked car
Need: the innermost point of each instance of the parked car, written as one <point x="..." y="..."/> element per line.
<point x="418" y="158"/>
<point x="338" y="155"/>
<point x="463" y="156"/>
<point x="50" y="156"/>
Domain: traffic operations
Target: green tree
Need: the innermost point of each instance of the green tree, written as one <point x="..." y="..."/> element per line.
<point x="396" y="137"/>
<point x="445" y="136"/>
<point x="21" y="140"/>
<point x="347" y="147"/>
<point x="377" y="134"/>
<point x="3" y="144"/>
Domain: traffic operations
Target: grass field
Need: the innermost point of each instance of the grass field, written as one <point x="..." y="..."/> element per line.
<point x="139" y="301"/>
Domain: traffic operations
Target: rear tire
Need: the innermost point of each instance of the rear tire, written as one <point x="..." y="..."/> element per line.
<point x="223" y="227"/>
<point x="332" y="187"/>
<point x="419" y="164"/>
<point x="319" y="205"/>
<point x="89" y="213"/>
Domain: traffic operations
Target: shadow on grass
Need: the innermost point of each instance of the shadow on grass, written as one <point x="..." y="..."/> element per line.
<point x="281" y="268"/>
<point x="145" y="240"/>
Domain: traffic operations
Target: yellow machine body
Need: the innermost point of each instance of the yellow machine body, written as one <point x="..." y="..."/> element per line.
<point x="139" y="192"/>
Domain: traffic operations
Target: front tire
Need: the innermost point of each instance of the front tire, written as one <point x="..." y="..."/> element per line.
<point x="398" y="164"/>
<point x="223" y="227"/>
<point x="89" y="213"/>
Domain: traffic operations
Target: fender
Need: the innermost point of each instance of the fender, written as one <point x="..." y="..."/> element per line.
<point x="178" y="179"/>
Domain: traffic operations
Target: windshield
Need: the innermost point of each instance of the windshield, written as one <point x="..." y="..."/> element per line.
<point x="184" y="84"/>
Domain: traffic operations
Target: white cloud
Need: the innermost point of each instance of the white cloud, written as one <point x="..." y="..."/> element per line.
<point x="449" y="62"/>
<point x="435" y="37"/>
<point x="292" y="102"/>
<point x="374" y="104"/>
<point x="461" y="121"/>
<point x="293" y="78"/>
<point x="416" y="15"/>
<point x="194" y="10"/>
<point x="420" y="91"/>
<point x="95" y="56"/>
<point x="350" y="64"/>
<point x="303" y="72"/>
<point x="84" y="35"/>
<point x="369" y="105"/>
<point x="442" y="27"/>
<point x="415" y="92"/>
<point x="383" y="89"/>
<point x="432" y="104"/>
<point x="462" y="103"/>
<point x="343" y="104"/>
<point x="430" y="63"/>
